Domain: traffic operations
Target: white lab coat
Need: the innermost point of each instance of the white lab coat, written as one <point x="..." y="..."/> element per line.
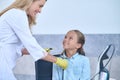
<point x="14" y="32"/>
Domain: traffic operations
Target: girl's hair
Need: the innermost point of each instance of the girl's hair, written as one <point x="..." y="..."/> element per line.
<point x="81" y="40"/>
<point x="23" y="5"/>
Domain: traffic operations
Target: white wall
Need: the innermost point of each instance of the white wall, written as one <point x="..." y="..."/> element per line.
<point x="89" y="16"/>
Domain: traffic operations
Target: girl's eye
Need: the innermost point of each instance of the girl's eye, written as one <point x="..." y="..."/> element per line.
<point x="40" y="6"/>
<point x="65" y="37"/>
<point x="71" y="38"/>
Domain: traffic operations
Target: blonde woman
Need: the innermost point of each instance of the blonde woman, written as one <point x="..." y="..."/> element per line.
<point x="15" y="23"/>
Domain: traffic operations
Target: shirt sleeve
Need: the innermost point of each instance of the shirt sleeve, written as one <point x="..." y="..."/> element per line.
<point x="86" y="70"/>
<point x="18" y="21"/>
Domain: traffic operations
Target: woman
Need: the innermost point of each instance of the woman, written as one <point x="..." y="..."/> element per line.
<point x="15" y="23"/>
<point x="79" y="66"/>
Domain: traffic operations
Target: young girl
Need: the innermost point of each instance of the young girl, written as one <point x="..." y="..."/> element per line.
<point x="79" y="66"/>
<point x="15" y="23"/>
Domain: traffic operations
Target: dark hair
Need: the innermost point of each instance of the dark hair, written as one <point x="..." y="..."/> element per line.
<point x="81" y="40"/>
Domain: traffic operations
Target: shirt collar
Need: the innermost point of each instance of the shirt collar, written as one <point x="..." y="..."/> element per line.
<point x="75" y="55"/>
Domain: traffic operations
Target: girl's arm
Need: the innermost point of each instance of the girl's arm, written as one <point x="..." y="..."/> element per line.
<point x="86" y="70"/>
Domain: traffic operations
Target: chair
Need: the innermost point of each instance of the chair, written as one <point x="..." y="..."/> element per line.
<point x="43" y="70"/>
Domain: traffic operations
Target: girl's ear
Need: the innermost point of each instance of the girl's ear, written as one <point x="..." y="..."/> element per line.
<point x="79" y="45"/>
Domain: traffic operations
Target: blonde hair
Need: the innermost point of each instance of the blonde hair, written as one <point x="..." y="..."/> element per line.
<point x="23" y="5"/>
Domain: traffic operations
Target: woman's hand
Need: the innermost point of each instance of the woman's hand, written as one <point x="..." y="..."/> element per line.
<point x="24" y="51"/>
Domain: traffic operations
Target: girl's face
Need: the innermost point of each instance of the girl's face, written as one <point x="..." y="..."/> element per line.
<point x="35" y="7"/>
<point x="70" y="41"/>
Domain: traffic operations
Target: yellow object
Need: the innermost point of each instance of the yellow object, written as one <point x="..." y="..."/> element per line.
<point x="63" y="63"/>
<point x="48" y="49"/>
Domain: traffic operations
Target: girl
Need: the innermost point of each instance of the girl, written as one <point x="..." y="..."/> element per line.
<point x="15" y="23"/>
<point x="79" y="66"/>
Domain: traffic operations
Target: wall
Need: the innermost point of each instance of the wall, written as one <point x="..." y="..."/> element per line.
<point x="89" y="16"/>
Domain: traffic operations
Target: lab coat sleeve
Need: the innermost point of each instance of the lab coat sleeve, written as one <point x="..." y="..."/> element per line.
<point x="18" y="21"/>
<point x="19" y="49"/>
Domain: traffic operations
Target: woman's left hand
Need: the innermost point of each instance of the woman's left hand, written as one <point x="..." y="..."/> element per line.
<point x="24" y="51"/>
